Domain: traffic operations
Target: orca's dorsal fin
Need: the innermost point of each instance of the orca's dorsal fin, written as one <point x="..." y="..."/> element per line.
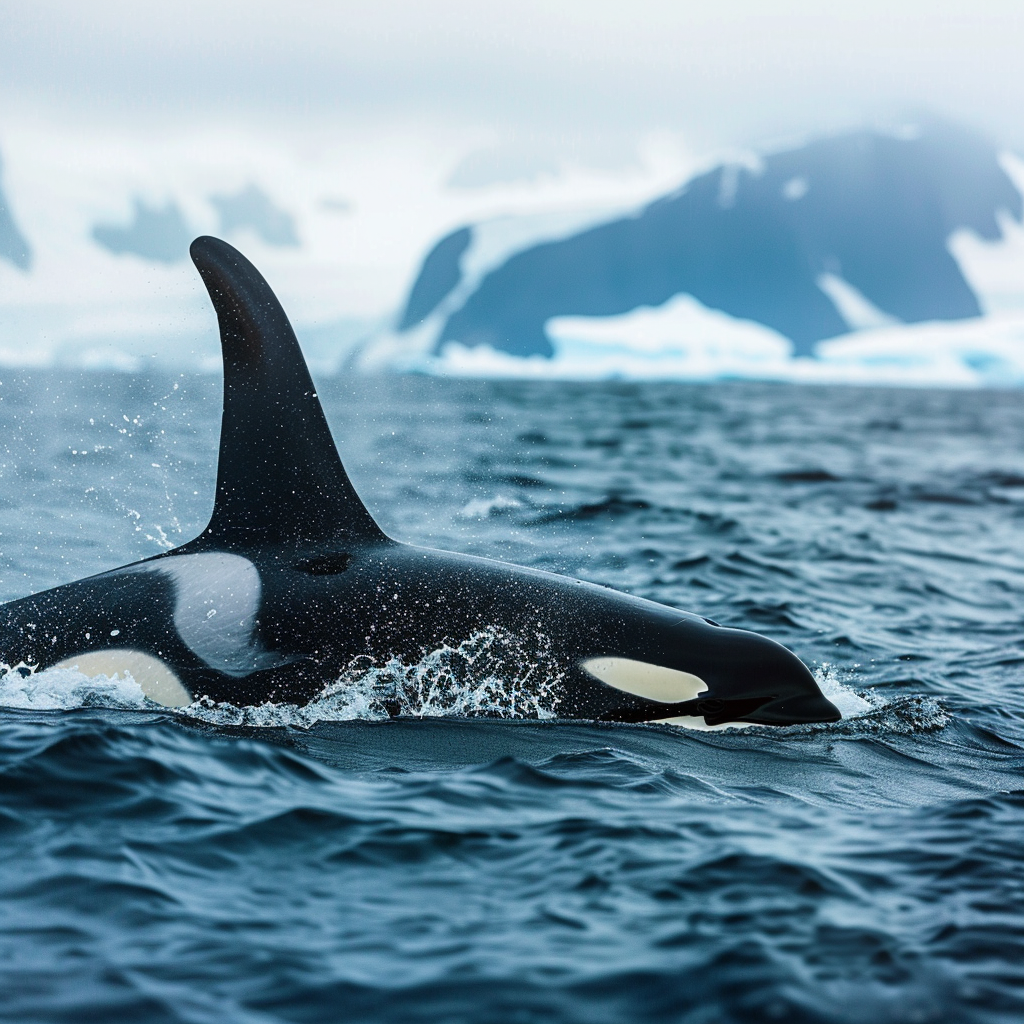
<point x="280" y="478"/>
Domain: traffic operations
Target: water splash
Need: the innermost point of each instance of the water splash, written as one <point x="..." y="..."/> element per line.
<point x="63" y="689"/>
<point x="868" y="712"/>
<point x="491" y="674"/>
<point x="850" y="704"/>
<point x="903" y="716"/>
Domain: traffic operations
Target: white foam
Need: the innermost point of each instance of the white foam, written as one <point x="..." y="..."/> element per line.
<point x="489" y="674"/>
<point x="481" y="508"/>
<point x="63" y="689"/>
<point x="847" y="701"/>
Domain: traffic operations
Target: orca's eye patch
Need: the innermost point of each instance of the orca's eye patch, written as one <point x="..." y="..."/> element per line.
<point x="642" y="679"/>
<point x="325" y="565"/>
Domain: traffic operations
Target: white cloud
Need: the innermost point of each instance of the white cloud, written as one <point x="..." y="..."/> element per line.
<point x="734" y="71"/>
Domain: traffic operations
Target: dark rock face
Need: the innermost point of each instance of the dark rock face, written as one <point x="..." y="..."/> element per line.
<point x="13" y="244"/>
<point x="163" y="234"/>
<point x="253" y="208"/>
<point x="874" y="209"/>
<point x="439" y="274"/>
<point x="156" y="233"/>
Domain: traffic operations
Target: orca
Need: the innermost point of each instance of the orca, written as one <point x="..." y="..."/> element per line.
<point x="292" y="583"/>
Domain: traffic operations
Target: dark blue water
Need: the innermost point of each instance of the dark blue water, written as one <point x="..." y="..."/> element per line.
<point x="259" y="865"/>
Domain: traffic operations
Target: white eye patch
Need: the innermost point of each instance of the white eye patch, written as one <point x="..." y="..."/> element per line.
<point x="642" y="679"/>
<point x="655" y="682"/>
<point x="154" y="677"/>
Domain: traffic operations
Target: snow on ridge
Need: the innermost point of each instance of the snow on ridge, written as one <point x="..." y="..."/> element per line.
<point x="683" y="340"/>
<point x="808" y="244"/>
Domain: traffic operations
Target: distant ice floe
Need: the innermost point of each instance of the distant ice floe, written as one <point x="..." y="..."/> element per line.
<point x="684" y="340"/>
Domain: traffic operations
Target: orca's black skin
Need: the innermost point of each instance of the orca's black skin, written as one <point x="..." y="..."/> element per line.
<point x="293" y="580"/>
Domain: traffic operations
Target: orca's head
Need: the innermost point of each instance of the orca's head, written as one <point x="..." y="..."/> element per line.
<point x="750" y="666"/>
<point x="692" y="668"/>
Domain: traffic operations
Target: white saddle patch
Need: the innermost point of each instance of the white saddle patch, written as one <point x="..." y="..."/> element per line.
<point x="216" y="599"/>
<point x="642" y="679"/>
<point x="155" y="678"/>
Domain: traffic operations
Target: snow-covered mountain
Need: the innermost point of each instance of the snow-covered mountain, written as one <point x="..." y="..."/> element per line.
<point x="869" y="256"/>
<point x="14" y="246"/>
<point x="789" y="265"/>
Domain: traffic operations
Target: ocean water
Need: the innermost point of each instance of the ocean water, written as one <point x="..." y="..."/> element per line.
<point x="321" y="864"/>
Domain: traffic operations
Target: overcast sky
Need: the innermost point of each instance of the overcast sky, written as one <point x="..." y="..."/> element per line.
<point x="582" y="73"/>
<point x="381" y="125"/>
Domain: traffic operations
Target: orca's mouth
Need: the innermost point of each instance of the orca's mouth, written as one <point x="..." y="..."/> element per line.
<point x="800" y="709"/>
